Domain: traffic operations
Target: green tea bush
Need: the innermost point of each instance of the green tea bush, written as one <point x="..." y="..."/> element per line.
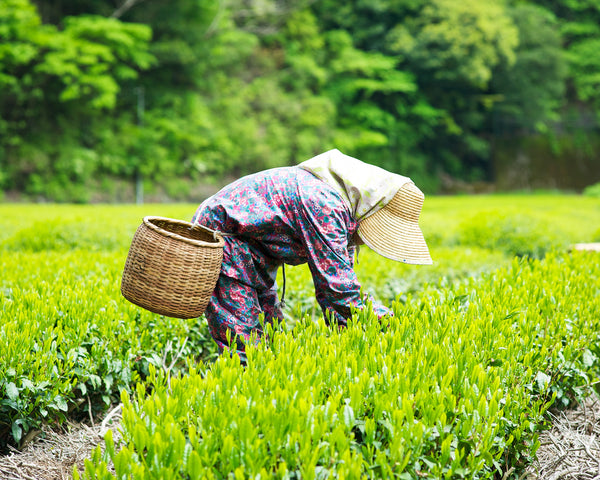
<point x="453" y="386"/>
<point x="61" y="235"/>
<point x="66" y="335"/>
<point x="50" y="227"/>
<point x="451" y="266"/>
<point x="512" y="233"/>
<point x="592" y="190"/>
<point x="68" y="340"/>
<point x="531" y="223"/>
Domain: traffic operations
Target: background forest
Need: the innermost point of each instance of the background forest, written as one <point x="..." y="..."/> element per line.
<point x="98" y="96"/>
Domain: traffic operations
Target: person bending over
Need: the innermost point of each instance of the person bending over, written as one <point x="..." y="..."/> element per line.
<point x="316" y="212"/>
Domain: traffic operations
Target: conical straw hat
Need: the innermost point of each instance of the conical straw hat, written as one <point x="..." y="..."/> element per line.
<point x="393" y="231"/>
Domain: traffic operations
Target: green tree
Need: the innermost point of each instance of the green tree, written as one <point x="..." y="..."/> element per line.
<point x="532" y="90"/>
<point x="190" y="91"/>
<point x="59" y="83"/>
<point x="580" y="29"/>
<point x="453" y="49"/>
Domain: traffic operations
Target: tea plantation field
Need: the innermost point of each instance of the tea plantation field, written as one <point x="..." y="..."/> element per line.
<point x="505" y="324"/>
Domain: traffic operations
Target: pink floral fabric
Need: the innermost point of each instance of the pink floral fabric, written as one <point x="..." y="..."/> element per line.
<point x="282" y="215"/>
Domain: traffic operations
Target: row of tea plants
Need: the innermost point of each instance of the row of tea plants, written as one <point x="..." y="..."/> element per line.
<point x="453" y="386"/>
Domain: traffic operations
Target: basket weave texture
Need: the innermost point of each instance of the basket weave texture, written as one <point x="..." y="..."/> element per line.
<point x="172" y="267"/>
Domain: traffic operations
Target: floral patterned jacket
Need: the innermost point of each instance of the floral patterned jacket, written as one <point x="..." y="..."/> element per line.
<point x="287" y="215"/>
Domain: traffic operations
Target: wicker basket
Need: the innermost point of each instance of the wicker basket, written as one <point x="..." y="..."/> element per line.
<point x="172" y="267"/>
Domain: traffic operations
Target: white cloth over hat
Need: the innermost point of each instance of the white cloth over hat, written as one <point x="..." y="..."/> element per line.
<point x="365" y="187"/>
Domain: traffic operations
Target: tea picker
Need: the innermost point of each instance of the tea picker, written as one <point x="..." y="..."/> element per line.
<point x="317" y="212"/>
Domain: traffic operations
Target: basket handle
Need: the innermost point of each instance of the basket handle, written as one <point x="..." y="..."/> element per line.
<point x="215" y="233"/>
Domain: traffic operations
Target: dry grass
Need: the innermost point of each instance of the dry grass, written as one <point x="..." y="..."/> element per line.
<point x="54" y="453"/>
<point x="570" y="450"/>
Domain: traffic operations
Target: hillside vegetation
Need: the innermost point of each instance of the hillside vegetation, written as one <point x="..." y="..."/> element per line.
<point x="96" y="97"/>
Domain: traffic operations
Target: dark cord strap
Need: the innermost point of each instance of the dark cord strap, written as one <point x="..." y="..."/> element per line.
<point x="282" y="301"/>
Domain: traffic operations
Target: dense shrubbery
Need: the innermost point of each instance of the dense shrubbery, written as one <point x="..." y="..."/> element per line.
<point x="67" y="338"/>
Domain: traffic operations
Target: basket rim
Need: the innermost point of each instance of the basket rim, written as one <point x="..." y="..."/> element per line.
<point x="218" y="243"/>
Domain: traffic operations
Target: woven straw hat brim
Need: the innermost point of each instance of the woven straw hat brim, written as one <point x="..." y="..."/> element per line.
<point x="393" y="231"/>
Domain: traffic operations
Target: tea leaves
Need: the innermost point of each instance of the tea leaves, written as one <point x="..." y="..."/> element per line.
<point x="451" y="387"/>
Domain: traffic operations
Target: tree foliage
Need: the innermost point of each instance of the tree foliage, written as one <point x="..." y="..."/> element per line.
<point x="531" y="90"/>
<point x="93" y="93"/>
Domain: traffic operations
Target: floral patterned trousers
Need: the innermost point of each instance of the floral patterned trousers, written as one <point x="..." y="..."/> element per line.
<point x="236" y="311"/>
